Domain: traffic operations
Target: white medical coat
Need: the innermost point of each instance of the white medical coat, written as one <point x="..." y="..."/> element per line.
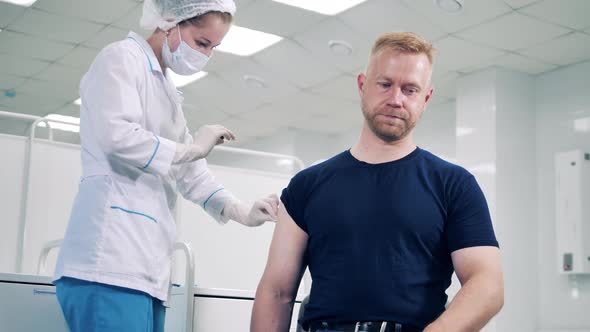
<point x="121" y="230"/>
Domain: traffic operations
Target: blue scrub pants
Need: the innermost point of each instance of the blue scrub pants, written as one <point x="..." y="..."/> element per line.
<point x="95" y="307"/>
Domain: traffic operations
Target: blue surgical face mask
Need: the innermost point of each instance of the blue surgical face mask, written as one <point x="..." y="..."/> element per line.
<point x="185" y="60"/>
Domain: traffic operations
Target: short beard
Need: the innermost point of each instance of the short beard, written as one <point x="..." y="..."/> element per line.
<point x="386" y="135"/>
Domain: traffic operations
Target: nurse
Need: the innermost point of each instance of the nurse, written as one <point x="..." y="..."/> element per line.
<point x="113" y="271"/>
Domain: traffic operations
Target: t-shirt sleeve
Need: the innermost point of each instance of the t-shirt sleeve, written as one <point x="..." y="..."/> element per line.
<point x="469" y="223"/>
<point x="293" y="198"/>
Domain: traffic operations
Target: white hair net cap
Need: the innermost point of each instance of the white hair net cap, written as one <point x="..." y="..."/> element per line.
<point x="166" y="14"/>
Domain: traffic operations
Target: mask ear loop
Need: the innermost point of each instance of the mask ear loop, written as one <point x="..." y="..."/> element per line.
<point x="179" y="36"/>
<point x="167" y="32"/>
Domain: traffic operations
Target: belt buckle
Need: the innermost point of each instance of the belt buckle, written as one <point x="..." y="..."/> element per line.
<point x="366" y="326"/>
<point x="357" y="326"/>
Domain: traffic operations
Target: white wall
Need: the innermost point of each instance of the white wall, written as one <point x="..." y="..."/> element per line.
<point x="11" y="181"/>
<point x="309" y="146"/>
<point x="563" y="96"/>
<point x="516" y="222"/>
<point x="53" y="184"/>
<point x="231" y="256"/>
<point x="436" y="131"/>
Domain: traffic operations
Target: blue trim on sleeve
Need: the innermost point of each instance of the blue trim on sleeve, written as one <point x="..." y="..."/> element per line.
<point x="154" y="154"/>
<point x="144" y="52"/>
<point x="133" y="212"/>
<point x="208" y="198"/>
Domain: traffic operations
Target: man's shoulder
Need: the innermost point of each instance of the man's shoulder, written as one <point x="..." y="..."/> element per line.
<point x="320" y="169"/>
<point x="444" y="168"/>
<point x="321" y="166"/>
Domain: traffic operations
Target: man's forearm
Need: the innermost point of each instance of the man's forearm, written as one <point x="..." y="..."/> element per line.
<point x="272" y="311"/>
<point x="479" y="299"/>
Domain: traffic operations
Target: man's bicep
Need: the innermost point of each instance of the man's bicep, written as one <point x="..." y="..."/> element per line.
<point x="286" y="255"/>
<point x="480" y="260"/>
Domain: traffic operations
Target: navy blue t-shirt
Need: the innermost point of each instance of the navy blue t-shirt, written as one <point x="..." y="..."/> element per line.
<point x="380" y="236"/>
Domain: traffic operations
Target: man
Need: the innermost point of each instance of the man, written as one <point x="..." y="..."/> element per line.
<point x="383" y="226"/>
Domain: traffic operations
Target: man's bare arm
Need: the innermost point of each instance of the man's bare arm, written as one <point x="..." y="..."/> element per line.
<point x="481" y="296"/>
<point x="278" y="287"/>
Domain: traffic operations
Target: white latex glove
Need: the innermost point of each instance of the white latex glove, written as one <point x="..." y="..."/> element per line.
<point x="204" y="140"/>
<point x="263" y="210"/>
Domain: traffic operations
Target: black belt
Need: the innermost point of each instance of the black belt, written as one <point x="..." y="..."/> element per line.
<point x="362" y="327"/>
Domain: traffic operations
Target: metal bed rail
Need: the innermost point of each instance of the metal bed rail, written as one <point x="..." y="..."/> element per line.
<point x="178" y="246"/>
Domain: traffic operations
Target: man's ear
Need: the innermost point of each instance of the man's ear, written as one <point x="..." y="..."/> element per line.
<point x="360" y="82"/>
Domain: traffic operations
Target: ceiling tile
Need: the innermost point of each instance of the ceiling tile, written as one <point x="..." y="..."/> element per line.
<point x="316" y="40"/>
<point x="131" y="22"/>
<point x="305" y="103"/>
<point x="242" y="127"/>
<point x="103" y="11"/>
<point x="565" y="50"/>
<point x="257" y="80"/>
<point x="277" y="114"/>
<point x="198" y="112"/>
<point x="438" y="74"/>
<point x="512" y="32"/>
<point x="276" y="18"/>
<point x="23" y="45"/>
<point x="474" y="13"/>
<point x="48" y="89"/>
<point x="523" y="64"/>
<point x="69" y="109"/>
<point x="21" y="66"/>
<point x="220" y="60"/>
<point x="9" y="13"/>
<point x="379" y="16"/>
<point x="296" y="64"/>
<point x="242" y="3"/>
<point x="455" y="54"/>
<point x="55" y="27"/>
<point x="341" y="87"/>
<point x="512" y="61"/>
<point x="212" y="90"/>
<point x="515" y="4"/>
<point x="10" y="81"/>
<point x="196" y="115"/>
<point x="445" y="85"/>
<point x="341" y="119"/>
<point x="68" y="76"/>
<point x="80" y="57"/>
<point x="477" y="67"/>
<point x="106" y="36"/>
<point x="573" y="15"/>
<point x="31" y="104"/>
<point x="438" y="99"/>
<point x="354" y="72"/>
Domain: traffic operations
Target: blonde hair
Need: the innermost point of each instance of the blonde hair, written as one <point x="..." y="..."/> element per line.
<point x="404" y="42"/>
